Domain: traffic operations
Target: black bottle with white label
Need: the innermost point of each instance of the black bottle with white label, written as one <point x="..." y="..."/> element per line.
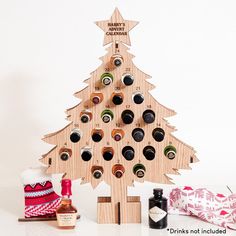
<point x="158" y="210"/>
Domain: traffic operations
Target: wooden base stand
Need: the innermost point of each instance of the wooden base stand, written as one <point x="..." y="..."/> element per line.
<point x="119" y="213"/>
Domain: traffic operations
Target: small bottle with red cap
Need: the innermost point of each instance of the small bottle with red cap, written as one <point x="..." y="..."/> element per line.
<point x="66" y="212"/>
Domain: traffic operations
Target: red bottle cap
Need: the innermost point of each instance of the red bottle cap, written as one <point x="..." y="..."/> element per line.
<point x="66" y="187"/>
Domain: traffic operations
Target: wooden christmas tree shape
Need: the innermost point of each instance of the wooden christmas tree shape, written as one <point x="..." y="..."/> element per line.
<point x="118" y="132"/>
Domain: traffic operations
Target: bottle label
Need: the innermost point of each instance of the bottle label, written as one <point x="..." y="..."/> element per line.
<point x="66" y="219"/>
<point x="157" y="214"/>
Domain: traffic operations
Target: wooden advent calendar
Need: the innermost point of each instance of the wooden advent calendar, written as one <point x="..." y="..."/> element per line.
<point x="118" y="133"/>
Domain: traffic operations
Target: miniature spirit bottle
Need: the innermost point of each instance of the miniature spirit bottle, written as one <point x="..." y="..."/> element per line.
<point x="138" y="97"/>
<point x="149" y="152"/>
<point x="107" y="116"/>
<point x="148" y="116"/>
<point x="106" y="79"/>
<point x="118" y="170"/>
<point x="97" y="172"/>
<point x="86" y="153"/>
<point x="128" y="153"/>
<point x="85" y="116"/>
<point x="117" y="98"/>
<point x="139" y="170"/>
<point x="158" y="134"/>
<point x="96" y="98"/>
<point x="75" y="136"/>
<point x="127" y="79"/>
<point x="157" y="210"/>
<point x="117" y="134"/>
<point x="127" y="116"/>
<point x="138" y="134"/>
<point x="116" y="60"/>
<point x="66" y="213"/>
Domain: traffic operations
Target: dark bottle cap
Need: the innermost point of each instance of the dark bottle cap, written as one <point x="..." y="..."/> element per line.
<point x="86" y="155"/>
<point x="85" y="118"/>
<point x="127" y="116"/>
<point x="96" y="137"/>
<point x="117" y="62"/>
<point x="138" y="134"/>
<point x="117" y="137"/>
<point x="108" y="155"/>
<point x="64" y="156"/>
<point x="75" y="137"/>
<point x="118" y="174"/>
<point x="148" y="116"/>
<point x="138" y="98"/>
<point x="117" y="99"/>
<point x="128" y="153"/>
<point x="128" y="80"/>
<point x="158" y="134"/>
<point x="149" y="152"/>
<point x="97" y="174"/>
<point x="158" y="191"/>
<point x="96" y="99"/>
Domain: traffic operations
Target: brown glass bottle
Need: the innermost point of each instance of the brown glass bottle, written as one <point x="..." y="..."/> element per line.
<point x="66" y="212"/>
<point x="118" y="170"/>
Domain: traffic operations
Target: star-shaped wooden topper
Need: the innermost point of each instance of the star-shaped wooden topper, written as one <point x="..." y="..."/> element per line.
<point x="116" y="29"/>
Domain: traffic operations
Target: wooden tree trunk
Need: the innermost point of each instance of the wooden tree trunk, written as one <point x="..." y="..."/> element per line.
<point x="119" y="208"/>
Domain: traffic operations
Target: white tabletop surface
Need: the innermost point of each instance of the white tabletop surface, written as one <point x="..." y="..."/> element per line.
<point x="11" y="207"/>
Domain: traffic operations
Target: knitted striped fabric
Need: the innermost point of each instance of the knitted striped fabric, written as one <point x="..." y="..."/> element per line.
<point x="40" y="200"/>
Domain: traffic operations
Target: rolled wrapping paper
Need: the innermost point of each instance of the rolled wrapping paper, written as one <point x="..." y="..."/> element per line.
<point x="214" y="208"/>
<point x="40" y="198"/>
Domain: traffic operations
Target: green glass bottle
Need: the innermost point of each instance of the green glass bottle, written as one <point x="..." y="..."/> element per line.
<point x="107" y="116"/>
<point x="106" y="78"/>
<point x="170" y="152"/>
<point x="139" y="170"/>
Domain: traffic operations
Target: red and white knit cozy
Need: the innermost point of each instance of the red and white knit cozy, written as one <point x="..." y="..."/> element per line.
<point x="40" y="198"/>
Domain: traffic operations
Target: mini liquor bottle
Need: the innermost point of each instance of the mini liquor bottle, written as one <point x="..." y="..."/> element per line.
<point x="149" y="152"/>
<point x="128" y="153"/>
<point x="158" y="134"/>
<point x="75" y="135"/>
<point x="116" y="60"/>
<point x="107" y="153"/>
<point x="127" y="79"/>
<point x="106" y="79"/>
<point x="138" y="97"/>
<point x="96" y="98"/>
<point x="107" y="116"/>
<point x="117" y="98"/>
<point x="118" y="170"/>
<point x="117" y="134"/>
<point x="86" y="153"/>
<point x="148" y="116"/>
<point x="127" y="116"/>
<point x="85" y="116"/>
<point x="157" y="210"/>
<point x="138" y="134"/>
<point x="139" y="170"/>
<point x="97" y="172"/>
<point x="170" y="152"/>
<point x="97" y="135"/>
<point x="66" y="213"/>
<point x="65" y="154"/>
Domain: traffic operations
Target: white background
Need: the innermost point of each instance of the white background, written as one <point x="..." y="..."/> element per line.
<point x="47" y="48"/>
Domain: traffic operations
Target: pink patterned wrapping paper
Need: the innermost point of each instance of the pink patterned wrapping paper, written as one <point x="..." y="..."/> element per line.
<point x="213" y="208"/>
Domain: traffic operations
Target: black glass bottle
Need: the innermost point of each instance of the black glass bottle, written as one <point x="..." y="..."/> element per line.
<point x="148" y="116"/>
<point x="158" y="210"/>
<point x="138" y="134"/>
<point x="128" y="153"/>
<point x="127" y="116"/>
